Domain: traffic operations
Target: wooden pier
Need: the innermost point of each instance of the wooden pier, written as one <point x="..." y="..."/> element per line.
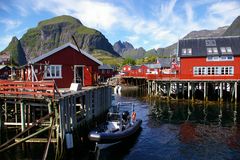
<point x="174" y="88"/>
<point x="35" y="109"/>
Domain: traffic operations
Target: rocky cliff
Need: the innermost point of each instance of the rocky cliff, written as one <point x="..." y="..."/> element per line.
<point x="54" y="32"/>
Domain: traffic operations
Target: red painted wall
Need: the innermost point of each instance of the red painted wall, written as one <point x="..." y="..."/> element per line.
<point x="187" y="64"/>
<point x="68" y="57"/>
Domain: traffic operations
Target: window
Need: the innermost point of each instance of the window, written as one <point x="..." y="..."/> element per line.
<point x="226" y="50"/>
<point x="220" y="58"/>
<point x="53" y="71"/>
<point x="214" y="70"/>
<point x="229" y="49"/>
<point x="184" y="51"/>
<point x="187" y="51"/>
<point x="212" y="51"/>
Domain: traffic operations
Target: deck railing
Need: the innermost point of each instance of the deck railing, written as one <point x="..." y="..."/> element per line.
<point x="27" y="88"/>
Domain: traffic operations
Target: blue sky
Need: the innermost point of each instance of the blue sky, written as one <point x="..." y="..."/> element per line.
<point x="144" y="23"/>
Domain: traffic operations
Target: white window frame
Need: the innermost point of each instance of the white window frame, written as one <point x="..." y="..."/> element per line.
<point x="187" y="51"/>
<point x="220" y="58"/>
<point x="212" y="50"/>
<point x="53" y="68"/>
<point x="226" y="50"/>
<point x="213" y="70"/>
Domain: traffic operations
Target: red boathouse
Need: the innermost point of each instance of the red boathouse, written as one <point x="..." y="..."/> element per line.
<point x="210" y="58"/>
<point x="65" y="65"/>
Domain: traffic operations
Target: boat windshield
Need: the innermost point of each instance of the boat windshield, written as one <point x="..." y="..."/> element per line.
<point x="113" y="117"/>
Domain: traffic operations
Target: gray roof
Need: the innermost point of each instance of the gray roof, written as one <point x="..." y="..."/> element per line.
<point x="165" y="62"/>
<point x="3" y="66"/>
<point x="199" y="45"/>
<point x="39" y="58"/>
<point x="105" y="66"/>
<point x="135" y="67"/>
<point x="153" y="65"/>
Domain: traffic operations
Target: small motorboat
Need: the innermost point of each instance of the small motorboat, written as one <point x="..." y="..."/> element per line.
<point x="118" y="127"/>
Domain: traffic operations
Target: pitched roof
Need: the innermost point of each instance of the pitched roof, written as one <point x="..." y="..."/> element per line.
<point x="39" y="58"/>
<point x="105" y="66"/>
<point x="3" y="66"/>
<point x="199" y="45"/>
<point x="135" y="67"/>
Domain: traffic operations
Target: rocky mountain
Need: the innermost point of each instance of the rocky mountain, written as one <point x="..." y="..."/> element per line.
<point x="57" y="31"/>
<point x="234" y="28"/>
<point x="121" y="47"/>
<point x="207" y="33"/>
<point x="135" y="53"/>
<point x="16" y="52"/>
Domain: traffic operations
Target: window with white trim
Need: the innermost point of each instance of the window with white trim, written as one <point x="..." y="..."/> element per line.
<point x="226" y="50"/>
<point x="187" y="51"/>
<point x="213" y="70"/>
<point x="212" y="50"/>
<point x="220" y="58"/>
<point x="53" y="71"/>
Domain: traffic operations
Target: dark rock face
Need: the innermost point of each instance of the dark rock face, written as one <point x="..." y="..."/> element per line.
<point x="54" y="32"/>
<point x="120" y="47"/>
<point x="234" y="29"/>
<point x="16" y="52"/>
<point x="207" y="33"/>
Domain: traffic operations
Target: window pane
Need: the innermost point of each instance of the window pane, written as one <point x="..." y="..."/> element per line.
<point x="53" y="71"/>
<point x="229" y="49"/>
<point x="57" y="71"/>
<point x="184" y="51"/>
<point x="215" y="50"/>
<point x="223" y="50"/>
<point x="209" y="50"/>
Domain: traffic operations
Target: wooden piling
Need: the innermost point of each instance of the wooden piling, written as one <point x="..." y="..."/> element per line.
<point x="236" y="91"/>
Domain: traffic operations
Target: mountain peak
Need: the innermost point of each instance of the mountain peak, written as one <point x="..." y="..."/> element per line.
<point x="60" y="19"/>
<point x="121" y="47"/>
<point x="234" y="29"/>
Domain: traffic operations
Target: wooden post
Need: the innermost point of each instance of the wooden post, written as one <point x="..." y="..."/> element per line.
<point x="236" y="92"/>
<point x="183" y="85"/>
<point x="205" y="91"/>
<point x="232" y="91"/>
<point x="193" y="89"/>
<point x="156" y="88"/>
<point x="159" y="89"/>
<point x="177" y="90"/>
<point x="5" y="111"/>
<point x="22" y="116"/>
<point x="168" y="91"/>
<point x="221" y="92"/>
<point x="149" y="90"/>
<point x="188" y="88"/>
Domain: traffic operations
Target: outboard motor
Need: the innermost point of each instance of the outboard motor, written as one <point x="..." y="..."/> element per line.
<point x="125" y="116"/>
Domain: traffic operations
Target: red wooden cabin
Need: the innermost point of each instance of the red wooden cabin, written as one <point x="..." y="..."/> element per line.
<point x="65" y="65"/>
<point x="106" y="71"/>
<point x="210" y="58"/>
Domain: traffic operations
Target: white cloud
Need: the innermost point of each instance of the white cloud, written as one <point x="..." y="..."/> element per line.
<point x="4" y="7"/>
<point x="169" y="21"/>
<point x="10" y="24"/>
<point x="222" y="13"/>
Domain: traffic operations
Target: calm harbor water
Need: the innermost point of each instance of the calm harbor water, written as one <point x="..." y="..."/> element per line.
<point x="179" y="131"/>
<point x="170" y="131"/>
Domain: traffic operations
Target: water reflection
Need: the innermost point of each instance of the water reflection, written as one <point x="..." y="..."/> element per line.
<point x="180" y="130"/>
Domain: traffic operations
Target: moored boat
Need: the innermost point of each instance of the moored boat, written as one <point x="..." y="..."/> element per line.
<point x="118" y="127"/>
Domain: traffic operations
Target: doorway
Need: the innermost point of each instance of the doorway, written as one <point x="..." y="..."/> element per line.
<point x="78" y="74"/>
